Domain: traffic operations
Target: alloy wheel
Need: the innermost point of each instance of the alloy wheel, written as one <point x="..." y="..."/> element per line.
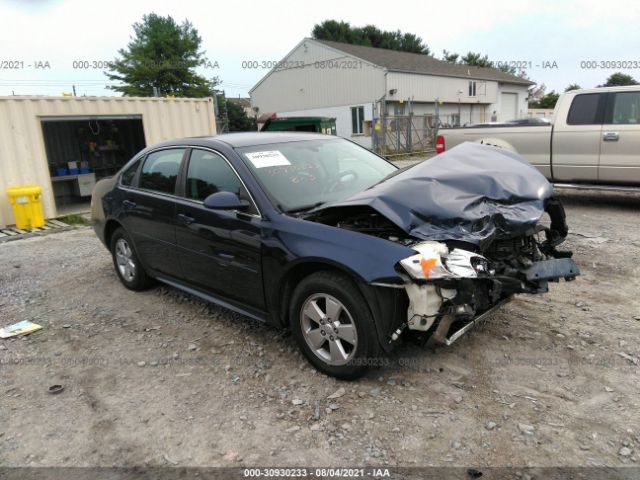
<point x="328" y="329"/>
<point x="124" y="260"/>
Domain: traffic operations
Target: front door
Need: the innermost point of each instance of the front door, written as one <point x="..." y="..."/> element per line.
<point x="620" y="140"/>
<point x="575" y="146"/>
<point x="220" y="250"/>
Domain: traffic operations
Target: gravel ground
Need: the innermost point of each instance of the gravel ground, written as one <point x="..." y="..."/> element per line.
<point x="161" y="378"/>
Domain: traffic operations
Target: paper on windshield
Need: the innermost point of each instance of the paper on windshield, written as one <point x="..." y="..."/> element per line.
<point x="269" y="158"/>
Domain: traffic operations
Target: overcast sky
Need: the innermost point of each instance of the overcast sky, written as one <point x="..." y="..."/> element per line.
<point x="538" y="32"/>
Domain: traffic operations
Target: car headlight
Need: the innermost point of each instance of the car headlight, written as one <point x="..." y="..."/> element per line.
<point x="467" y="264"/>
<point x="434" y="261"/>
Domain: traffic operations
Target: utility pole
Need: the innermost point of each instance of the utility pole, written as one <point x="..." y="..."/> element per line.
<point x="74" y="90"/>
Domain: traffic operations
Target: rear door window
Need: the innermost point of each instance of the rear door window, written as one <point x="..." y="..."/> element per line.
<point x="160" y="170"/>
<point x="626" y="108"/>
<point x="585" y="109"/>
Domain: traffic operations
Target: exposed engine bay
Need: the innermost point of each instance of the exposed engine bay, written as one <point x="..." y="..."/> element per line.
<point x="474" y="218"/>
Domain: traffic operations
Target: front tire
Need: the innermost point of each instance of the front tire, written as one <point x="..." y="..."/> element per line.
<point x="333" y="325"/>
<point x="126" y="262"/>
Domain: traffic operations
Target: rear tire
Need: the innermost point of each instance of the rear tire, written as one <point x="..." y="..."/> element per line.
<point x="126" y="262"/>
<point x="333" y="325"/>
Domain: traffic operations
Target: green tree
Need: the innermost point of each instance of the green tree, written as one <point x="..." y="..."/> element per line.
<point x="450" y="57"/>
<point x="233" y="117"/>
<point x="161" y="54"/>
<point x="573" y="86"/>
<point x="510" y="69"/>
<point x="619" y="79"/>
<point x="476" y="60"/>
<point x="335" y="31"/>
<point x="369" y="35"/>
<point x="547" y="101"/>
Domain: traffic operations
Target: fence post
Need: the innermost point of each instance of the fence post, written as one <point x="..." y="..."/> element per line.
<point x="437" y="123"/>
<point x="374" y="133"/>
<point x="383" y="133"/>
<point x="410" y="127"/>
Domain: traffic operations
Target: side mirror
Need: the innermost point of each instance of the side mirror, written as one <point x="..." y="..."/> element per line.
<point x="225" y="201"/>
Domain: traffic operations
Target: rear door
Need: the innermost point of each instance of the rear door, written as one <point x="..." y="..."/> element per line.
<point x="220" y="250"/>
<point x="575" y="149"/>
<point x="149" y="210"/>
<point x="620" y="139"/>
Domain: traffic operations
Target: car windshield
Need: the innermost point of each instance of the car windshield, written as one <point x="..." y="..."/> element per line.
<point x="302" y="175"/>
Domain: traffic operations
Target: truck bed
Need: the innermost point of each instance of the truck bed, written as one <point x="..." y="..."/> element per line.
<point x="532" y="142"/>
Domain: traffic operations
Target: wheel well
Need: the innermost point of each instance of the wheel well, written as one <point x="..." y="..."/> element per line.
<point x="296" y="275"/>
<point x="109" y="228"/>
<point x="388" y="306"/>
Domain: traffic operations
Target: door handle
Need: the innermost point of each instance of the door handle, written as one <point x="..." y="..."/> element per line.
<point x="610" y="136"/>
<point x="128" y="204"/>
<point x="186" y="219"/>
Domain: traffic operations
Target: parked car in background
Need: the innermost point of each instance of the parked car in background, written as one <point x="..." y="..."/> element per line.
<point x="593" y="138"/>
<point x="316" y="234"/>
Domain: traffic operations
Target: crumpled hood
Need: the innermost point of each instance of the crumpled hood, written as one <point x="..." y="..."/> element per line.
<point x="472" y="192"/>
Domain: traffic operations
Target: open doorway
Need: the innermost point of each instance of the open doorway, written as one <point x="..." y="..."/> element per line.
<point x="82" y="150"/>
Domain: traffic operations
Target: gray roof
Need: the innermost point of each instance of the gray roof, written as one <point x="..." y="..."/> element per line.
<point x="396" y="61"/>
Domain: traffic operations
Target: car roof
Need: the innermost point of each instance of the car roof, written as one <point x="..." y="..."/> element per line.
<point x="248" y="139"/>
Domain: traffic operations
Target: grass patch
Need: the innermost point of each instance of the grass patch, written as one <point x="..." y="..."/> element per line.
<point x="73" y="219"/>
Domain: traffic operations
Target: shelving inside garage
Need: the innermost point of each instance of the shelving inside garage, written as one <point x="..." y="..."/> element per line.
<point x="97" y="146"/>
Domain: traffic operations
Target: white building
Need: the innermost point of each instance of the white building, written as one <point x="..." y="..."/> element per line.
<point x="351" y="83"/>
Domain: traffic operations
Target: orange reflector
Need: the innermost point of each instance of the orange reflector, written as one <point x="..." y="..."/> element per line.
<point x="427" y="265"/>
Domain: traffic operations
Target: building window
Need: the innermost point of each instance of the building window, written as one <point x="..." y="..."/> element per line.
<point x="472" y="88"/>
<point x="357" y="120"/>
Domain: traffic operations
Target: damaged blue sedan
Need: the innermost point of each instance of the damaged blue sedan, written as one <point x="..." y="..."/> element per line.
<point x="318" y="235"/>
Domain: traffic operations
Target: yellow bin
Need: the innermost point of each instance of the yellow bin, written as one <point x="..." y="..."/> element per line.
<point x="27" y="206"/>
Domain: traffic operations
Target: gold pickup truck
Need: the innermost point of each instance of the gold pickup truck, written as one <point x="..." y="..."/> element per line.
<point x="593" y="140"/>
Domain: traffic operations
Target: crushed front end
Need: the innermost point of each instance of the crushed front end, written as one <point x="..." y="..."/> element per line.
<point x="452" y="286"/>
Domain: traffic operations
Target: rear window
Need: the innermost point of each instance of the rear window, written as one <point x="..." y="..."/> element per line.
<point x="584" y="109"/>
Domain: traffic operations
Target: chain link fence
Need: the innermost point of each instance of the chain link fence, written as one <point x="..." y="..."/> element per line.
<point x="395" y="134"/>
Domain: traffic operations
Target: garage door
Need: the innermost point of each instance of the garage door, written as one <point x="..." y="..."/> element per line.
<point x="508" y="106"/>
